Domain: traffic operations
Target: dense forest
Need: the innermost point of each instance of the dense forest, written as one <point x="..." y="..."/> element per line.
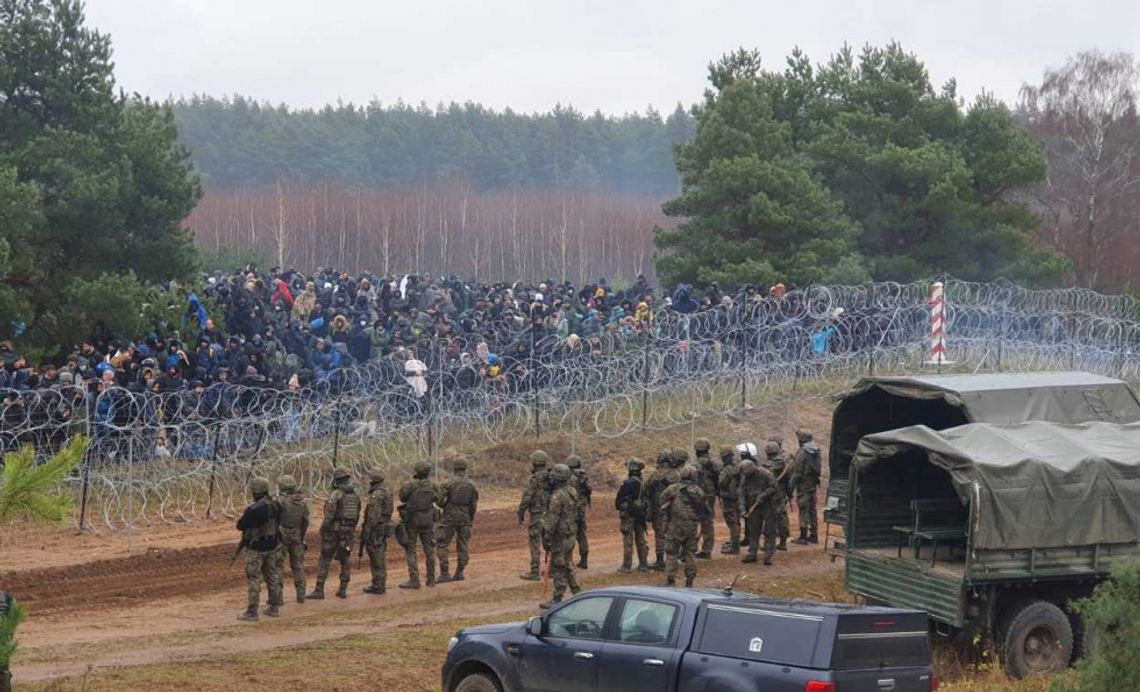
<point x="238" y="141"/>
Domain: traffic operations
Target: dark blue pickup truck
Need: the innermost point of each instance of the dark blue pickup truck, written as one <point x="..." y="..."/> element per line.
<point x="689" y="640"/>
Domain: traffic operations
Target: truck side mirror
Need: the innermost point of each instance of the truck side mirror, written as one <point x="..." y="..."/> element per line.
<point x="534" y="626"/>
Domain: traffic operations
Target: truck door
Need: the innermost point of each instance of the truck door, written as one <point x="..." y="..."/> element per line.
<point x="642" y="654"/>
<point x="565" y="658"/>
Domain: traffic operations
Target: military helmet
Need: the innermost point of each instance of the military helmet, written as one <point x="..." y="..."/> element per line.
<point x="778" y="439"/>
<point x="560" y="473"/>
<point x="459" y="464"/>
<point x="771" y="449"/>
<point x="663" y="457"/>
<point x="747" y="450"/>
<point x="803" y="435"/>
<point x="376" y="475"/>
<point x="259" y="486"/>
<point x="747" y="467"/>
<point x="634" y="464"/>
<point x="538" y="459"/>
<point x="702" y="444"/>
<point x="286" y="482"/>
<point x="689" y="473"/>
<point x="574" y="461"/>
<point x="680" y="457"/>
<point x="341" y="475"/>
<point x="726" y="451"/>
<point x="421" y="469"/>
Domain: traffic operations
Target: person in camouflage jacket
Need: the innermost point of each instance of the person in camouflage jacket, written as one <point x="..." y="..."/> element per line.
<point x="259" y="535"/>
<point x="418" y="499"/>
<point x="728" y="487"/>
<point x="581" y="481"/>
<point x="375" y="530"/>
<point x="294" y="522"/>
<point x="708" y="475"/>
<point x="535" y="498"/>
<point x="761" y="502"/>
<point x="686" y="506"/>
<point x="630" y="504"/>
<point x="560" y="531"/>
<point x="654" y="486"/>
<point x="459" y="499"/>
<point x="806" y="471"/>
<point x="777" y="462"/>
<point x="342" y="512"/>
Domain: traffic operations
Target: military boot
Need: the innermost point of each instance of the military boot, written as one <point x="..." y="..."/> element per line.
<point x="458" y="576"/>
<point x="625" y="568"/>
<point x="584" y="563"/>
<point x="803" y="539"/>
<point x="318" y="592"/>
<point x="767" y="561"/>
<point x="411" y="584"/>
<point x="642" y="567"/>
<point x="250" y="615"/>
<point x="550" y="604"/>
<point x="444" y="576"/>
<point x="733" y="548"/>
<point x="724" y="547"/>
<point x="659" y="566"/>
<point x="374" y="590"/>
<point x="300" y="595"/>
<point x="749" y="558"/>
<point x="532" y="575"/>
<point x="430" y="574"/>
<point x="670" y="581"/>
<point x="704" y="555"/>
<point x="689" y="582"/>
<point x="342" y="592"/>
<point x="813" y="538"/>
<point x="271" y="610"/>
<point x="783" y="543"/>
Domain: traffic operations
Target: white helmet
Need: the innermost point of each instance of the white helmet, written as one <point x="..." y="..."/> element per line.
<point x="747" y="450"/>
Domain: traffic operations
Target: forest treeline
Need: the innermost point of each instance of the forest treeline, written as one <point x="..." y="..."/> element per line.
<point x="239" y="141"/>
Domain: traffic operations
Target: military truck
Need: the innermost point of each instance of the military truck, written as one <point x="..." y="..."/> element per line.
<point x="878" y="404"/>
<point x="994" y="529"/>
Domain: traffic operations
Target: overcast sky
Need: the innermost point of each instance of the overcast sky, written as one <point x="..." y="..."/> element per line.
<point x="616" y="55"/>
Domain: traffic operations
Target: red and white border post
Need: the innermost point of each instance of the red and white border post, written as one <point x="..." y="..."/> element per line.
<point x="937" y="327"/>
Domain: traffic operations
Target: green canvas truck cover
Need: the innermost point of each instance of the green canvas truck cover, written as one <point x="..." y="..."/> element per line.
<point x="1034" y="484"/>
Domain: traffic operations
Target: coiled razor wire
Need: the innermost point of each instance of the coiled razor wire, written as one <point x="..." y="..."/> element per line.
<point x="182" y="456"/>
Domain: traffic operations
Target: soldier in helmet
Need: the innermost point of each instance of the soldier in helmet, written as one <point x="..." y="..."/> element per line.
<point x="760" y="500"/>
<point x="631" y="510"/>
<point x="776" y="462"/>
<point x="654" y="486"/>
<point x="459" y="500"/>
<point x="806" y="470"/>
<point x="294" y="520"/>
<point x="258" y="526"/>
<point x="417" y="511"/>
<point x="375" y="529"/>
<point x="581" y="482"/>
<point x="728" y="486"/>
<point x="686" y="505"/>
<point x="535" y="497"/>
<point x="708" y="475"/>
<point x="342" y="511"/>
<point x="560" y="531"/>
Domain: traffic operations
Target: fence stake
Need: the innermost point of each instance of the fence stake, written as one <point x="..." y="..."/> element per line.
<point x="336" y="431"/>
<point x="645" y="381"/>
<point x="213" y="469"/>
<point x="744" y="369"/>
<point x="86" y="468"/>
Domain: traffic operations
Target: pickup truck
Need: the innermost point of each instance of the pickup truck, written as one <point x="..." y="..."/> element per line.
<point x="694" y="640"/>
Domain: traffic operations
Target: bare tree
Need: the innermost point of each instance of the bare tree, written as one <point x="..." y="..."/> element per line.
<point x="1085" y="115"/>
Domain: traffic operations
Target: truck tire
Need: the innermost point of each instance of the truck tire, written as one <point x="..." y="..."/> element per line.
<point x="478" y="682"/>
<point x="1035" y="638"/>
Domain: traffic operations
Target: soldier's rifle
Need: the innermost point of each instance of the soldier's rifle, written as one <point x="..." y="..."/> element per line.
<point x="241" y="547"/>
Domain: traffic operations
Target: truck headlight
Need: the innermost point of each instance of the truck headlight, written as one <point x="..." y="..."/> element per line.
<point x="451" y="643"/>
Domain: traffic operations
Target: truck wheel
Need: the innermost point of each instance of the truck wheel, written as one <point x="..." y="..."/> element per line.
<point x="1036" y="638"/>
<point x="478" y="682"/>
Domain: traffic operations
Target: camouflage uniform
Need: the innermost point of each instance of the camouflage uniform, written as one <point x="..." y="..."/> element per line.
<point x="761" y="502"/>
<point x="258" y="525"/>
<point x="535" y="497"/>
<point x="459" y="500"/>
<point x="728" y="486"/>
<point x="417" y="512"/>
<point x="806" y="470"/>
<point x="708" y="475"/>
<point x="631" y="511"/>
<point x="375" y="529"/>
<point x="777" y="462"/>
<point x="654" y="486"/>
<point x="342" y="511"/>
<point x="560" y="531"/>
<point x="294" y="524"/>
<point x="686" y="506"/>
<point x="7" y="611"/>
<point x="581" y="483"/>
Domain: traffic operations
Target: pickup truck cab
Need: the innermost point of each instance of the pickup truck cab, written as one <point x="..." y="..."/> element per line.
<point x="690" y="640"/>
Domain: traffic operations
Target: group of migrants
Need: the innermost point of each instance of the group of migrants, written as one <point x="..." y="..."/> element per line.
<point x="429" y="514"/>
<point x="678" y="500"/>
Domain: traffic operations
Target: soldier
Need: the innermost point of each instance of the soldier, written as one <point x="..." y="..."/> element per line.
<point x="686" y="506"/>
<point x="777" y="462"/>
<point x="459" y="500"/>
<point x="728" y="485"/>
<point x="806" y="469"/>
<point x="760" y="503"/>
<point x="708" y="475"/>
<point x="258" y="526"/>
<point x="654" y="486"/>
<point x="294" y="520"/>
<point x="375" y="529"/>
<point x="747" y="452"/>
<point x="581" y="486"/>
<point x="631" y="511"/>
<point x="417" y="512"/>
<point x="534" y="500"/>
<point x="10" y="617"/>
<point x="342" y="511"/>
<point x="560" y="531"/>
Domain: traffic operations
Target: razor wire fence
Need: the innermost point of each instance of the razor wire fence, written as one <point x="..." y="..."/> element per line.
<point x="186" y="455"/>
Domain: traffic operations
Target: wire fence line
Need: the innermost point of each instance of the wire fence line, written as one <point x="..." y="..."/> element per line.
<point x="187" y="455"/>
